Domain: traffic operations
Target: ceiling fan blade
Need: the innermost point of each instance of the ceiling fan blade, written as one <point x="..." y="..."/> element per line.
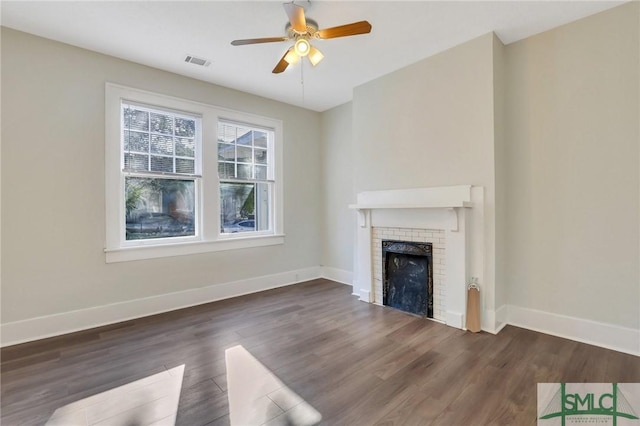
<point x="282" y="65"/>
<point x="258" y="40"/>
<point x="361" y="27"/>
<point x="296" y="17"/>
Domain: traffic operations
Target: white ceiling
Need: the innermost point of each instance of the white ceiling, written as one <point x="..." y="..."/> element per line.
<point x="161" y="33"/>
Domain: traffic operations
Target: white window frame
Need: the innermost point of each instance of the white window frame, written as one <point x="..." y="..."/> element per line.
<point x="270" y="179"/>
<point x="208" y="237"/>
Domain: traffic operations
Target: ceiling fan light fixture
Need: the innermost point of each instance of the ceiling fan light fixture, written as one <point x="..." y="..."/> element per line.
<point x="291" y="57"/>
<point x="315" y="56"/>
<point x="302" y="47"/>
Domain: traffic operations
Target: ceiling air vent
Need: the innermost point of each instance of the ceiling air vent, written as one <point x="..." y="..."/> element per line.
<point x="198" y="61"/>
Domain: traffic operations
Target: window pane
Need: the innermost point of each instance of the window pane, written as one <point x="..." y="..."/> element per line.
<point x="244" y="207"/>
<point x="159" y="208"/>
<point x="184" y="165"/>
<point x="135" y="119"/>
<point x="185" y="147"/>
<point x="251" y="148"/>
<point x="153" y="132"/>
<point x="226" y="152"/>
<point x="244" y="154"/>
<point x="136" y="141"/>
<point x="185" y="127"/>
<point x="136" y="162"/>
<point x="261" y="172"/>
<point x="244" y="171"/>
<point x="226" y="170"/>
<point x="161" y="144"/>
<point x="161" y="164"/>
<point x="245" y="136"/>
<point x="162" y="123"/>
<point x="260" y="156"/>
<point x="260" y="138"/>
<point x="226" y="133"/>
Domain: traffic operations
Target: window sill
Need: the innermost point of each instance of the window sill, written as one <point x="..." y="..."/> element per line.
<point x="180" y="249"/>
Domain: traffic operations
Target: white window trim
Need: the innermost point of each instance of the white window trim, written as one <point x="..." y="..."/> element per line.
<point x="209" y="238"/>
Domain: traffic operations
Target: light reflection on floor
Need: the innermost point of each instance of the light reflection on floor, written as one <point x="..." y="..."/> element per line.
<point x="257" y="397"/>
<point x="152" y="400"/>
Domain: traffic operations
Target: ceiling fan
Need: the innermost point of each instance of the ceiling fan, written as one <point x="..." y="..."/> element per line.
<point x="301" y="31"/>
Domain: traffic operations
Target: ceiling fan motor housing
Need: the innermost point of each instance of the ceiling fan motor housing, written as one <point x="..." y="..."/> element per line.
<point x="311" y="30"/>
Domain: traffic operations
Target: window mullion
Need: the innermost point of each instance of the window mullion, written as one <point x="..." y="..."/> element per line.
<point x="173" y="144"/>
<point x="209" y="217"/>
<point x="235" y="153"/>
<point x="148" y="131"/>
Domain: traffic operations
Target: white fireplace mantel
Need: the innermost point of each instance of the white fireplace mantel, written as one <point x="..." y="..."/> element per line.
<point x="442" y="208"/>
<point x="449" y="206"/>
<point x="450" y="198"/>
<point x="426" y="205"/>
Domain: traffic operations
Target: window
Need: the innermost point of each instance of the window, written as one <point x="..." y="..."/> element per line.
<point x="161" y="157"/>
<point x="184" y="177"/>
<point x="246" y="177"/>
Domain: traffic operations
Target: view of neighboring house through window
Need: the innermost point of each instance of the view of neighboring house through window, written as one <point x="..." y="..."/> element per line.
<point x="160" y="167"/>
<point x="246" y="177"/>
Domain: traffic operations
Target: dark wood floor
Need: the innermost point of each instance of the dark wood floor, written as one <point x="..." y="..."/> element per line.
<point x="356" y="363"/>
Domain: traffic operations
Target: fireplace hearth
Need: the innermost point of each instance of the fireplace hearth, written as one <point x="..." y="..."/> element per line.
<point x="407" y="272"/>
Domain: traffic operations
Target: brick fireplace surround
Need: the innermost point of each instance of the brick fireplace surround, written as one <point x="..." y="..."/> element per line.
<point x="442" y="216"/>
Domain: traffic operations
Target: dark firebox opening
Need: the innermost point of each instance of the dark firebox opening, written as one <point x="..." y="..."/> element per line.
<point x="407" y="273"/>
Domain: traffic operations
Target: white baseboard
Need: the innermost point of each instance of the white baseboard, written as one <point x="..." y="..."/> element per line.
<point x="337" y="275"/>
<point x="494" y="321"/>
<point x="53" y="325"/>
<point x="455" y="319"/>
<point x="501" y="316"/>
<point x="605" y="335"/>
<point x="488" y="320"/>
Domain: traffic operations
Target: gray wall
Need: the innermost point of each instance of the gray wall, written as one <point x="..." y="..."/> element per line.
<point x="338" y="191"/>
<point x="572" y="169"/>
<point x="501" y="180"/>
<point x="53" y="204"/>
<point x="432" y="124"/>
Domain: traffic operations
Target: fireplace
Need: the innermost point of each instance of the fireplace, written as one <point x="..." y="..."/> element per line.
<point x="407" y="272"/>
<point x="451" y="218"/>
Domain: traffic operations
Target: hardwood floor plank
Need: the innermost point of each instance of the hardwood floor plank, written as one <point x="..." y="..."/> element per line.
<point x="201" y="404"/>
